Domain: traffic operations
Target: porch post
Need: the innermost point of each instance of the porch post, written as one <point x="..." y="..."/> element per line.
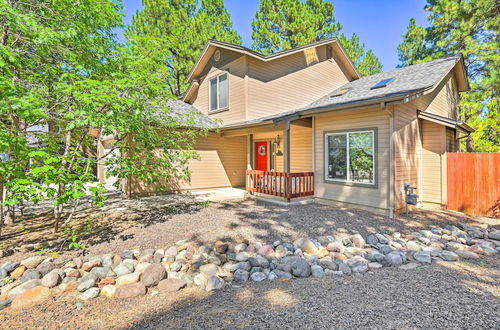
<point x="286" y="165"/>
<point x="250" y="152"/>
<point x="286" y="158"/>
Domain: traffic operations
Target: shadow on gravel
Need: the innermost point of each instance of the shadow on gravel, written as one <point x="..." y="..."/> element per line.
<point x="444" y="295"/>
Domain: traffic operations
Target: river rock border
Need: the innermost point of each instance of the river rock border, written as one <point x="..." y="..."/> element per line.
<point x="133" y="273"/>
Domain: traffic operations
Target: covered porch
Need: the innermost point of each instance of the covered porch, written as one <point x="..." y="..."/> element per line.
<point x="279" y="158"/>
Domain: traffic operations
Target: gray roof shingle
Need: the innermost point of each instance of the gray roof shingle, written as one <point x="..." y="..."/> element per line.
<point x="408" y="80"/>
<point x="184" y="113"/>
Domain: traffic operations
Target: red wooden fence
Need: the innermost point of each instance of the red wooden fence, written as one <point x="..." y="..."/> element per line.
<point x="474" y="183"/>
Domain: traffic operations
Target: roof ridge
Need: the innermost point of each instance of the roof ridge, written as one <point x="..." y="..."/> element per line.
<point x="327" y="40"/>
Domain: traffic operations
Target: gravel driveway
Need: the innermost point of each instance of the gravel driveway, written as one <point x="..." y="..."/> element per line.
<point x="461" y="294"/>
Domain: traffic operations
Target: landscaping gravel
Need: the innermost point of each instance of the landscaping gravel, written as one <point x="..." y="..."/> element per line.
<point x="460" y="295"/>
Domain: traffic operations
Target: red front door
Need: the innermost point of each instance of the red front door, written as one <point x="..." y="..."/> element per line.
<point x="261" y="156"/>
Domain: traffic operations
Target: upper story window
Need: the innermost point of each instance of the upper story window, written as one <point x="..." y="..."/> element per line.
<point x="218" y="93"/>
<point x="350" y="157"/>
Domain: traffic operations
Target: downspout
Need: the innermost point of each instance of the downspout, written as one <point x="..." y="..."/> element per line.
<point x="390" y="185"/>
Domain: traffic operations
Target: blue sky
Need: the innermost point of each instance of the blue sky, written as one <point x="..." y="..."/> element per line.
<point x="378" y="23"/>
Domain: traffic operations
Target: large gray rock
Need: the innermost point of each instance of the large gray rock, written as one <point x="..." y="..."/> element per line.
<point x="344" y="268"/>
<point x="45" y="267"/>
<point x="393" y="259"/>
<point x="448" y="256"/>
<point x="258" y="276"/>
<point x="259" y="261"/>
<point x="100" y="272"/>
<point x="328" y="263"/>
<point x="423" y="257"/>
<point x="90" y="294"/>
<point x="3" y="273"/>
<point x="317" y="271"/>
<point x="382" y="239"/>
<point x="281" y="274"/>
<point x="5" y="303"/>
<point x="300" y="267"/>
<point x="357" y="264"/>
<point x="372" y="240"/>
<point x="495" y="234"/>
<point x="214" y="283"/>
<point x="153" y="274"/>
<point x="10" y="266"/>
<point x="31" y="274"/>
<point x="241" y="275"/>
<point x="127" y="254"/>
<point x="123" y="268"/>
<point x="385" y="249"/>
<point x="87" y="284"/>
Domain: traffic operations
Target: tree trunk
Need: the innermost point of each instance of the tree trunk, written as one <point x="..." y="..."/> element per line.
<point x="469" y="144"/>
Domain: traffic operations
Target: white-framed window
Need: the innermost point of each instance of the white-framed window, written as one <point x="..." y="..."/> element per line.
<point x="218" y="90"/>
<point x="350" y="157"/>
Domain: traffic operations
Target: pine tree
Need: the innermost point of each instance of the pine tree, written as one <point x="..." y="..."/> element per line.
<point x="172" y="33"/>
<point x="284" y="24"/>
<point x="469" y="27"/>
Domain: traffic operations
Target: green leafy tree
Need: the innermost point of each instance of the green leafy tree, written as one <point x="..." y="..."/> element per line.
<point x="173" y="34"/>
<point x="285" y="24"/>
<point x="469" y="27"/>
<point x="62" y="76"/>
<point x="365" y="61"/>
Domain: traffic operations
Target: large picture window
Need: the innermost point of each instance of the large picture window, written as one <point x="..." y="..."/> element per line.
<point x="350" y="157"/>
<point x="218" y="92"/>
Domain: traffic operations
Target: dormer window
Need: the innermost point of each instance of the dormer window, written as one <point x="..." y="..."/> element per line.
<point x="218" y="93"/>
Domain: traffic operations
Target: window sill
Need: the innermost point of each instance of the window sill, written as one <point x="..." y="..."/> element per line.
<point x="352" y="184"/>
<point x="218" y="110"/>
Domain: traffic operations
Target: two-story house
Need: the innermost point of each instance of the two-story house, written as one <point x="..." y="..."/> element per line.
<point x="304" y="122"/>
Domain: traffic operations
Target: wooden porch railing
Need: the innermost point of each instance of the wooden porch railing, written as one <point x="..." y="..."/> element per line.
<point x="287" y="185"/>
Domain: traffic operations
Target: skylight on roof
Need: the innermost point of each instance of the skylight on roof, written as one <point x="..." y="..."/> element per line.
<point x="340" y="92"/>
<point x="382" y="83"/>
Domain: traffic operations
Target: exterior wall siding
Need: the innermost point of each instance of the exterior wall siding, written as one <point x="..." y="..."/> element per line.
<point x="443" y="101"/>
<point x="222" y="163"/>
<point x="290" y="83"/>
<point x="376" y="197"/>
<point x="433" y="149"/>
<point x="407" y="150"/>
<point x="236" y="67"/>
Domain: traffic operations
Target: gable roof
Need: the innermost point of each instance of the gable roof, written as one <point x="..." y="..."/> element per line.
<point x="408" y="83"/>
<point x="212" y="45"/>
<point x="184" y="113"/>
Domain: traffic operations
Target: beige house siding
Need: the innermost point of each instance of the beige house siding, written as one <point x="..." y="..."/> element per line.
<point x="443" y="100"/>
<point x="290" y="83"/>
<point x="236" y="66"/>
<point x="300" y="149"/>
<point x="433" y="150"/>
<point x="407" y="146"/>
<point x="222" y="163"/>
<point x="360" y="196"/>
